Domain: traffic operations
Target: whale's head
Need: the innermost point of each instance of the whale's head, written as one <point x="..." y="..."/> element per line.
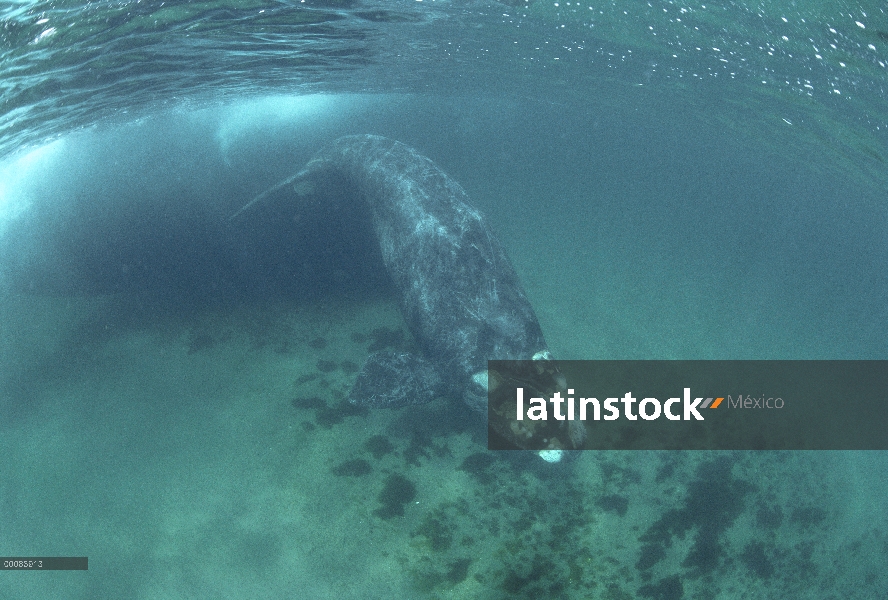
<point x="478" y="387"/>
<point x="507" y="382"/>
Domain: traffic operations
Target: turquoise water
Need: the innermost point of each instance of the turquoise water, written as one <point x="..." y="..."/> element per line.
<point x="671" y="181"/>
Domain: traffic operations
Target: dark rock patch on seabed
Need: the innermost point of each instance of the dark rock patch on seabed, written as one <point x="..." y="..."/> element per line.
<point x="326" y="366"/>
<point x="310" y="402"/>
<point x="480" y="467"/>
<point x="614" y="503"/>
<point x="327" y="416"/>
<point x="352" y="468"/>
<point x="378" y="446"/>
<point x="714" y="500"/>
<point x="396" y="493"/>
<point x="669" y="588"/>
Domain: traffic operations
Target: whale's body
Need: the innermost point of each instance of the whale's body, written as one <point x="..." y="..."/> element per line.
<point x="459" y="294"/>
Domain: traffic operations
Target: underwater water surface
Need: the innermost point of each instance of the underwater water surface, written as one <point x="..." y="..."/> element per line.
<point x="670" y="181"/>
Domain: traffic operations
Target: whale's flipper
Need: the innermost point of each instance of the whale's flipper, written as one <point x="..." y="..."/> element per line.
<point x="393" y="379"/>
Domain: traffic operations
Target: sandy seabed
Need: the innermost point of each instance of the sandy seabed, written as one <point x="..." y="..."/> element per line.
<point x="213" y="456"/>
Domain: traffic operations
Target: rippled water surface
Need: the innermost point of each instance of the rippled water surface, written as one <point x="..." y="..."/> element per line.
<point x="819" y="67"/>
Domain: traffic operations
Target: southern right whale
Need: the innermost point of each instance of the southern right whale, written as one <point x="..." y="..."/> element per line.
<point x="459" y="294"/>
